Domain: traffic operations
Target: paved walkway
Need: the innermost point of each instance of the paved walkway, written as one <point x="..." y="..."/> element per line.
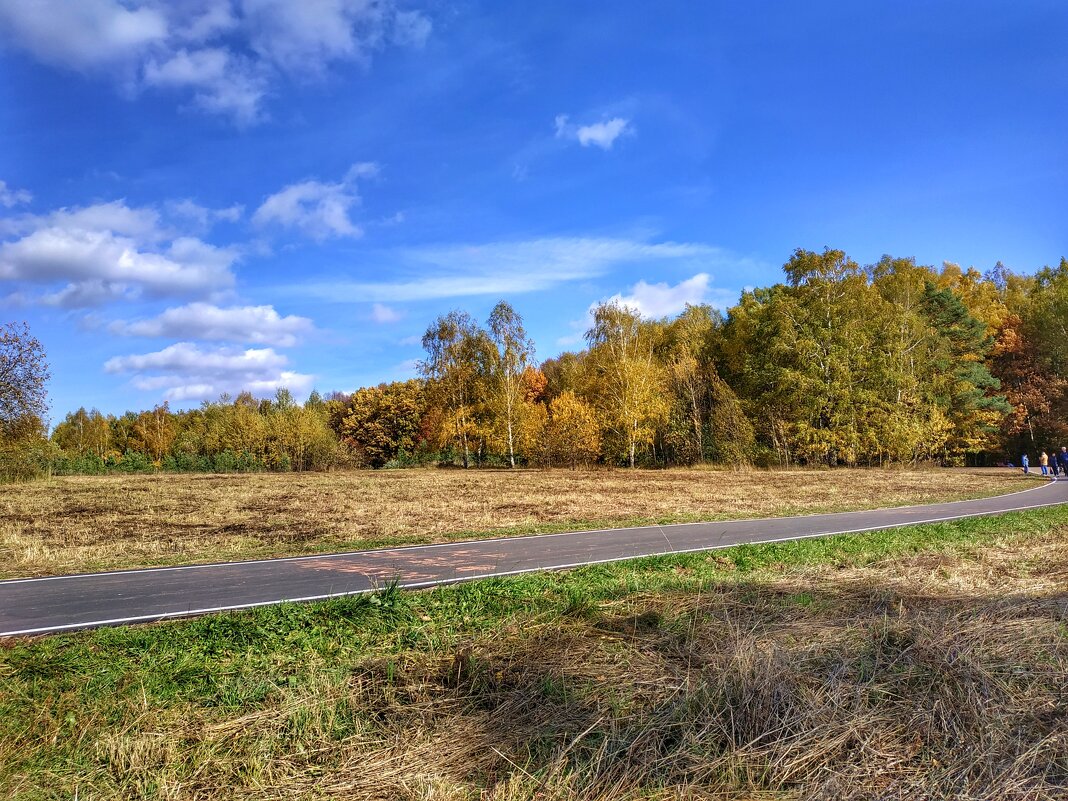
<point x="36" y="606"/>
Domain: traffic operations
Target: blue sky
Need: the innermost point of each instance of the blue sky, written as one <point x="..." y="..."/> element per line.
<point x="205" y="195"/>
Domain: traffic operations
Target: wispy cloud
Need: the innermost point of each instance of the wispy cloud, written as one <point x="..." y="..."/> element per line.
<point x="498" y="268"/>
<point x="381" y="313"/>
<point x="13" y="197"/>
<point x="202" y="217"/>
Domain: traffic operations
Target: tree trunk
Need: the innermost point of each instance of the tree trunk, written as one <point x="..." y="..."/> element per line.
<point x="632" y="446"/>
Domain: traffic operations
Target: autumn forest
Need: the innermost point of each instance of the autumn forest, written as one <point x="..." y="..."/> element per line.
<point x="841" y="364"/>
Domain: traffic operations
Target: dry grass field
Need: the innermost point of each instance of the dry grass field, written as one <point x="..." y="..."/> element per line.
<point x="83" y="523"/>
<point x="922" y="663"/>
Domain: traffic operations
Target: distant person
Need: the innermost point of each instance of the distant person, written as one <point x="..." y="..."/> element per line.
<point x="1062" y="461"/>
<point x="1025" y="462"/>
<point x="1043" y="462"/>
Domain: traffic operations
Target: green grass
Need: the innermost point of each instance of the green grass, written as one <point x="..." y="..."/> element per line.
<point x="118" y="712"/>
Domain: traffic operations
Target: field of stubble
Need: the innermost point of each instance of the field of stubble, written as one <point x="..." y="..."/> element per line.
<point x="85" y="523"/>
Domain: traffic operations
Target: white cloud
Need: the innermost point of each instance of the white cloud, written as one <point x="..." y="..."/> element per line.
<point x="187" y="357"/>
<point x="661" y="300"/>
<point x="578" y="331"/>
<point x="110" y="251"/>
<point x="602" y="134"/>
<point x="304" y="36"/>
<point x="86" y="34"/>
<point x="140" y="223"/>
<point x="220" y="81"/>
<point x="654" y="301"/>
<point x="317" y="209"/>
<point x="246" y="324"/>
<point x="84" y="294"/>
<point x="13" y="197"/>
<point x="213" y="19"/>
<point x="184" y="371"/>
<point x="227" y="53"/>
<point x="501" y="268"/>
<point x="381" y="313"/>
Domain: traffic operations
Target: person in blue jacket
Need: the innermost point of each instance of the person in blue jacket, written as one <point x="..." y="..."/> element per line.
<point x="1025" y="462"/>
<point x="1062" y="461"/>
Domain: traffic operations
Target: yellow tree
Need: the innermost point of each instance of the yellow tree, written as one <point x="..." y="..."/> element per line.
<point x="245" y="429"/>
<point x="156" y="431"/>
<point x="533" y="434"/>
<point x="455" y="367"/>
<point x="75" y="433"/>
<point x="573" y="433"/>
<point x="629" y="383"/>
<point x="381" y="422"/>
<point x="908" y="425"/>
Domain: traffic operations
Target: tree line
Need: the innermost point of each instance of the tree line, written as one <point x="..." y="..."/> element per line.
<point x="839" y="364"/>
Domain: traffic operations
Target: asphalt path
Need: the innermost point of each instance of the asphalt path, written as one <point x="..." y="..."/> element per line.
<point x="59" y="603"/>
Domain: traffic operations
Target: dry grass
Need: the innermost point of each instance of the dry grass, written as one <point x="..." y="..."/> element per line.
<point x="82" y="523"/>
<point x="932" y="677"/>
<point x="936" y="676"/>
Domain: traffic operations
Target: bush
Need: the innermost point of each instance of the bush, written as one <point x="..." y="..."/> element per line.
<point x="225" y="462"/>
<point x="25" y="460"/>
<point x="135" y="462"/>
<point x="73" y="465"/>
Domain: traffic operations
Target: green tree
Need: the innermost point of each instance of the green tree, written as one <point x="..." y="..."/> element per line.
<point x="698" y="428"/>
<point x="964" y="388"/>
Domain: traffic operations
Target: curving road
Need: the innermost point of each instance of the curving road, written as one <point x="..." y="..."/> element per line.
<point x="43" y="605"/>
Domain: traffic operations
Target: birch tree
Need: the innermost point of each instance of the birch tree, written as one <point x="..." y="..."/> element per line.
<point x="629" y="382"/>
<point x="514" y="351"/>
<point x="457" y="353"/>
